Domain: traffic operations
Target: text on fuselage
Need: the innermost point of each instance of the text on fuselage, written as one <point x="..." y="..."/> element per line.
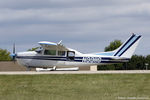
<point x="91" y="59"/>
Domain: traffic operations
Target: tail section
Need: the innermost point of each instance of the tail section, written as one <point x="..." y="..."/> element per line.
<point x="127" y="49"/>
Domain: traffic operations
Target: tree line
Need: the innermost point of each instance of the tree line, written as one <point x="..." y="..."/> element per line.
<point x="4" y="55"/>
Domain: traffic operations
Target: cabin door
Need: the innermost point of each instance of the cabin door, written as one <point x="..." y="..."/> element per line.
<point x="70" y="55"/>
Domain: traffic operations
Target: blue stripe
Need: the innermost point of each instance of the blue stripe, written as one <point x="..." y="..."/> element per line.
<point x="130" y="45"/>
<point x="110" y="62"/>
<point x="108" y="58"/>
<point x="78" y="59"/>
<point x="45" y="57"/>
<point x="127" y="45"/>
<point x="124" y="45"/>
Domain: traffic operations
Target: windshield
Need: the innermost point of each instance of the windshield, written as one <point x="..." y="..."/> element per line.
<point x="39" y="50"/>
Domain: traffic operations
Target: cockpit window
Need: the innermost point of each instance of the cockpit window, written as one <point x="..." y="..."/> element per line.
<point x="71" y="53"/>
<point x="50" y="52"/>
<point x="39" y="51"/>
<point x="61" y="53"/>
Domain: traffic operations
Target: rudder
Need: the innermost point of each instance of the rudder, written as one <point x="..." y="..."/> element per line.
<point x="127" y="49"/>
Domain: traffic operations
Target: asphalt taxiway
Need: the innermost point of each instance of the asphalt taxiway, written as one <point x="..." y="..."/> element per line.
<point x="76" y="72"/>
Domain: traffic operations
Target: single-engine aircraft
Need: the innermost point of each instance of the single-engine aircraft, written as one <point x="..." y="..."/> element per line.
<point x="52" y="56"/>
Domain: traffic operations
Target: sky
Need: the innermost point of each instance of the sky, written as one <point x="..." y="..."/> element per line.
<point x="85" y="25"/>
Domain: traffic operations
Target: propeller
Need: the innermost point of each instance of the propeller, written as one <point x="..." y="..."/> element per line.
<point x="14" y="53"/>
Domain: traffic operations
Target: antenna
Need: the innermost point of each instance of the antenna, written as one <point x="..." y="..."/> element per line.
<point x="60" y="42"/>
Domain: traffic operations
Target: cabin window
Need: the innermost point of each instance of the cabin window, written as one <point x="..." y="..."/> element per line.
<point x="61" y="53"/>
<point x="50" y="52"/>
<point x="71" y="55"/>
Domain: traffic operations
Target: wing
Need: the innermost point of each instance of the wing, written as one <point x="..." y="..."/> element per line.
<point x="52" y="45"/>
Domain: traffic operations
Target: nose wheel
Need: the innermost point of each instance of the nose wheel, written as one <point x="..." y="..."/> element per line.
<point x="54" y="68"/>
<point x="28" y="68"/>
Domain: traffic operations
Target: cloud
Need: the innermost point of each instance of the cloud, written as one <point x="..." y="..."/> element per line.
<point x="78" y="23"/>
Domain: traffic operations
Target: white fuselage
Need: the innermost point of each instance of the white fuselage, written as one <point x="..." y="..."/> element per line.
<point x="33" y="59"/>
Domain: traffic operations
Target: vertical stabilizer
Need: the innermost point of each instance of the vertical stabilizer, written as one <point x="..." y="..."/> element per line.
<point x="127" y="49"/>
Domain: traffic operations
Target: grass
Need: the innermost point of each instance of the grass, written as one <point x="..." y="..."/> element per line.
<point x="74" y="87"/>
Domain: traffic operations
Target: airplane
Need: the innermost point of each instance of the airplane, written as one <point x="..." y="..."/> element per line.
<point x="55" y="56"/>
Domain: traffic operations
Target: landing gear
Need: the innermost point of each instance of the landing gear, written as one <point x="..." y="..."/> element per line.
<point x="54" y="68"/>
<point x="28" y="68"/>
